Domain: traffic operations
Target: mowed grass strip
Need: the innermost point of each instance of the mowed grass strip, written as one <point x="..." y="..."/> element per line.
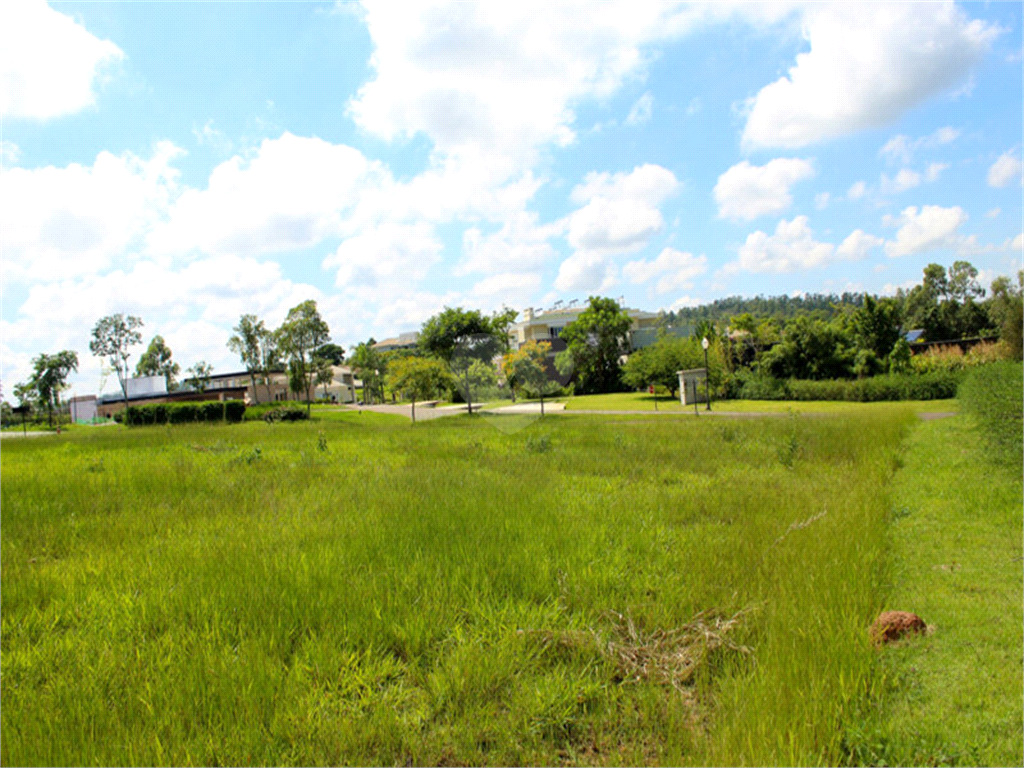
<point x="954" y="697"/>
<point x="362" y="591"/>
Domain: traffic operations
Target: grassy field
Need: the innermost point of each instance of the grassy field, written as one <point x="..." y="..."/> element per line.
<point x="357" y="590"/>
<point x="641" y="401"/>
<point x="954" y="697"/>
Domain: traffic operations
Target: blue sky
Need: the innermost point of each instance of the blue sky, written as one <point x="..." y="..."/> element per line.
<point x="190" y="162"/>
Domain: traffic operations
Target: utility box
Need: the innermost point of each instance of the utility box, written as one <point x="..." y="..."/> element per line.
<point x="693" y="386"/>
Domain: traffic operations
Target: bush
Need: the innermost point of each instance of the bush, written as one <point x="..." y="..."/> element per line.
<point x="289" y="413"/>
<point x="993" y="395"/>
<point x="181" y="413"/>
<point x="938" y="385"/>
<point x="258" y="412"/>
<point x="748" y="385"/>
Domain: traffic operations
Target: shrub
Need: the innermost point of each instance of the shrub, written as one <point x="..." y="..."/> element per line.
<point x="289" y="413"/>
<point x="937" y="385"/>
<point x="258" y="412"/>
<point x="181" y="413"/>
<point x="994" y="395"/>
<point x="748" y="385"/>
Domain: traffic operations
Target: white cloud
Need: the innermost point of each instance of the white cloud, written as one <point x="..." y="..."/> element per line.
<point x="386" y="253"/>
<point x="931" y="227"/>
<point x="934" y="169"/>
<point x="792" y="247"/>
<point x="865" y="68"/>
<point x="901" y="147"/>
<point x="821" y="200"/>
<point x="9" y="153"/>
<point x="685" y="301"/>
<point x="49" y="64"/>
<point x="905" y="179"/>
<point x="293" y="193"/>
<point x="993" y="213"/>
<point x="857" y="191"/>
<point x="519" y="244"/>
<point x="1018" y="243"/>
<point x="621" y="210"/>
<point x="76" y="220"/>
<point x="641" y="111"/>
<point x="586" y="271"/>
<point x="501" y="76"/>
<point x="510" y="289"/>
<point x="675" y="269"/>
<point x="193" y="307"/>
<point x="857" y="245"/>
<point x="747" y="191"/>
<point x="1005" y="170"/>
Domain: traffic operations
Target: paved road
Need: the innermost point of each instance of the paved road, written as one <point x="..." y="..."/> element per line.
<point x="8" y="435"/>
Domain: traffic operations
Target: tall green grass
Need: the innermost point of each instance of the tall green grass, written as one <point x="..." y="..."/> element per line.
<point x="994" y="396"/>
<point x="358" y="591"/>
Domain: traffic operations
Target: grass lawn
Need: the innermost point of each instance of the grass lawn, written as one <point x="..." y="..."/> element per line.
<point x="954" y="697"/>
<point x="359" y="590"/>
<point x="641" y="401"/>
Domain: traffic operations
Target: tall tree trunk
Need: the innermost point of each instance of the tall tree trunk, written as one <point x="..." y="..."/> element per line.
<point x="255" y="390"/>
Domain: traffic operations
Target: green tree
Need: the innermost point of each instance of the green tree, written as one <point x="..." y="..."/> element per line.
<point x="1006" y="308"/>
<point x="156" y="361"/>
<point x="810" y="349"/>
<point x="368" y="366"/>
<point x="49" y="379"/>
<point x="875" y="328"/>
<point x="420" y="378"/>
<point x="594" y="343"/>
<point x="460" y="337"/>
<point x="302" y="333"/>
<point x="332" y="353"/>
<point x="112" y="338"/>
<point x="527" y="368"/>
<point x="199" y="375"/>
<point x="257" y="347"/>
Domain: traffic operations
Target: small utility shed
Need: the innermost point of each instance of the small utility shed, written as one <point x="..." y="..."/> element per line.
<point x="693" y="386"/>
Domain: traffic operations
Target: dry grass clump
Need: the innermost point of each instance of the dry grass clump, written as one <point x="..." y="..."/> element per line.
<point x="670" y="657"/>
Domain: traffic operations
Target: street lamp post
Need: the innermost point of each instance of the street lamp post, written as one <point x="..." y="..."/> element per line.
<point x="707" y="379"/>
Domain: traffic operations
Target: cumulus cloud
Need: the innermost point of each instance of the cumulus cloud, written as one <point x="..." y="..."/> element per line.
<point x="747" y="191"/>
<point x="857" y="245"/>
<point x="792" y="247"/>
<point x="386" y="253"/>
<point x="49" y="64"/>
<point x="857" y="191"/>
<point x="290" y="195"/>
<point x="77" y="220"/>
<point x="1005" y="170"/>
<point x="922" y="230"/>
<point x="674" y="269"/>
<point x="586" y="271"/>
<point x="904" y="180"/>
<point x="865" y="70"/>
<point x="520" y="243"/>
<point x="621" y="210"/>
<point x="501" y="76"/>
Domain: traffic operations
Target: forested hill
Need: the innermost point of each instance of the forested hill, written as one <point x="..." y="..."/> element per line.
<point x="819" y="305"/>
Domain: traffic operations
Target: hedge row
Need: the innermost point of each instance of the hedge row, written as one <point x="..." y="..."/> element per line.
<point x="263" y="411"/>
<point x="182" y="413"/>
<point x="937" y="385"/>
<point x="994" y="395"/>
